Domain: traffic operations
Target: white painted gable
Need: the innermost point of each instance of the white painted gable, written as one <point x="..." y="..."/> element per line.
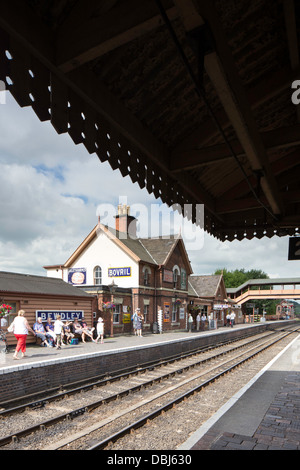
<point x="114" y="262"/>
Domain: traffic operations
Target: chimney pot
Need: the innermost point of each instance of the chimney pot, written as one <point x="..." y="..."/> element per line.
<point x="125" y="223"/>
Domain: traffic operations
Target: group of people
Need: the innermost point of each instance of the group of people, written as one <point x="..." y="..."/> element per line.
<point x="201" y="319"/>
<point x="53" y="334"/>
<point x="230" y="319"/>
<point x="200" y="322"/>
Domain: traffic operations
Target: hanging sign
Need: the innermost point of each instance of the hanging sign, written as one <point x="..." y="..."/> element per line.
<point x="220" y="306"/>
<point x="294" y="248"/>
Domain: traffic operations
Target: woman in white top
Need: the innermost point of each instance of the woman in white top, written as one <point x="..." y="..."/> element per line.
<point x="100" y="329"/>
<point x="58" y="328"/>
<point x="20" y="327"/>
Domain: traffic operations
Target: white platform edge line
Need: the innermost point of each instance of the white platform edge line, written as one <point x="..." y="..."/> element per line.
<point x="192" y="440"/>
<point x="45" y="363"/>
<point x="30" y="365"/>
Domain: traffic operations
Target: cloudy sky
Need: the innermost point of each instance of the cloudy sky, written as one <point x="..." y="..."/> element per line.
<point x="52" y="191"/>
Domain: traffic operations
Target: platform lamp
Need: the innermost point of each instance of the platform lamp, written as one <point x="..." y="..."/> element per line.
<point x="112" y="288"/>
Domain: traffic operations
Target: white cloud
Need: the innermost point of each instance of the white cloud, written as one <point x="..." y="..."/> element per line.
<point x="50" y="191"/>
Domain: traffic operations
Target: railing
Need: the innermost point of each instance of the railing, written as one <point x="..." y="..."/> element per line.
<point x="267" y="294"/>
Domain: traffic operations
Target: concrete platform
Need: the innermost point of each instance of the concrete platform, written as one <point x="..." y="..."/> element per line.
<point x="263" y="415"/>
<point x="39" y="356"/>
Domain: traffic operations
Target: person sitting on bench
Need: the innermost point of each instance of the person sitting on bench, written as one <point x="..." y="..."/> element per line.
<point x="80" y="330"/>
<point x="40" y="332"/>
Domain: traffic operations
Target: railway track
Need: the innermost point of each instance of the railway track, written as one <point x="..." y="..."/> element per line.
<point x="129" y="403"/>
<point x="44" y="397"/>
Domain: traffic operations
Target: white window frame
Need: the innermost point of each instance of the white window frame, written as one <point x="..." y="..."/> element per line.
<point x="96" y="268"/>
<point x="116" y="314"/>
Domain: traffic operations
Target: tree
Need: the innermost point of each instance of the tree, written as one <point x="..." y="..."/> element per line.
<point x="239" y="276"/>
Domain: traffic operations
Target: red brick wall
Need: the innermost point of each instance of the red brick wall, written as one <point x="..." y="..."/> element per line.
<point x="122" y="327"/>
<point x="167" y="292"/>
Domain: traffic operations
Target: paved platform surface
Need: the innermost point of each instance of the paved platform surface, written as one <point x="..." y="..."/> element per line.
<point x="38" y="356"/>
<point x="264" y="415"/>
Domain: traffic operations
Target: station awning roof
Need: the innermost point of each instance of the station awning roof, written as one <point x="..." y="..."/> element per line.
<point x="191" y="99"/>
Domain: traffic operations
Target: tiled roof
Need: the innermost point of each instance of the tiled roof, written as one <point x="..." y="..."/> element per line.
<point x="149" y="250"/>
<point x="134" y="245"/>
<point x="31" y="284"/>
<point x="204" y="286"/>
<point x="159" y="248"/>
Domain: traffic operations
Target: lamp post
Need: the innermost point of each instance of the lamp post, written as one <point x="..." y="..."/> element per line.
<point x="112" y="288"/>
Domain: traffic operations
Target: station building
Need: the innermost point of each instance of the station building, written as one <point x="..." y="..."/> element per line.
<point x="113" y="272"/>
<point x="124" y="272"/>
<point x="42" y="296"/>
<point x="208" y="295"/>
<point x="147" y="273"/>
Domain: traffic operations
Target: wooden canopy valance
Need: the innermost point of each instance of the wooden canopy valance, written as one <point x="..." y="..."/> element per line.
<point x="191" y="99"/>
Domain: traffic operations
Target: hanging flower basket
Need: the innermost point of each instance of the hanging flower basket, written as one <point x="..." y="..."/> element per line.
<point x="107" y="305"/>
<point x="177" y="302"/>
<point x="194" y="308"/>
<point x="4" y="310"/>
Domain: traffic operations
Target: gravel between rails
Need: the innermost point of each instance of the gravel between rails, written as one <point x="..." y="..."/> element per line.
<point x="170" y="430"/>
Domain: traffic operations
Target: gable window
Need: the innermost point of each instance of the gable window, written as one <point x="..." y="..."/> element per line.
<point x="146" y="277"/>
<point x="183" y="279"/>
<point x="176" y="275"/>
<point x="97" y="276"/>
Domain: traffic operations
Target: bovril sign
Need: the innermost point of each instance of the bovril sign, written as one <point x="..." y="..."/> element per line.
<point x="119" y="272"/>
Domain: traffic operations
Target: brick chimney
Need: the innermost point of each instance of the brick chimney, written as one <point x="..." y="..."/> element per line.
<point x="125" y="223"/>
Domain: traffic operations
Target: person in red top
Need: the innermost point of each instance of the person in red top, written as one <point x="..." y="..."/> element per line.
<point x="20" y="327"/>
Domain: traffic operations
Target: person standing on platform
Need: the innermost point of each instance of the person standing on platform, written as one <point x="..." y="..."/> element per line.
<point x="58" y="329"/>
<point x="139" y="323"/>
<point x="135" y="320"/>
<point x="20" y="327"/>
<point x="203" y="320"/>
<point x="198" y="318"/>
<point x="190" y="322"/>
<point x="232" y="319"/>
<point x="100" y="329"/>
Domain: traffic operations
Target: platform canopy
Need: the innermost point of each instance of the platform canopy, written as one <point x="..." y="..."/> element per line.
<point x="190" y="98"/>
